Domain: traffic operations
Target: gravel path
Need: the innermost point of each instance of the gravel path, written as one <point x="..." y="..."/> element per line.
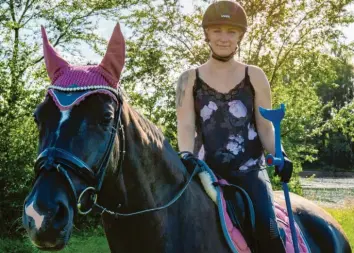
<point x="329" y="192"/>
<point x="328" y="183"/>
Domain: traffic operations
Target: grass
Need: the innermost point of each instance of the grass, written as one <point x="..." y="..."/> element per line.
<point x="95" y="241"/>
<point x="345" y="217"/>
<point x="87" y="242"/>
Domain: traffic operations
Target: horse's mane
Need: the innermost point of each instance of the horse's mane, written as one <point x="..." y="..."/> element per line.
<point x="145" y="133"/>
<point x="150" y="133"/>
<point x="148" y="151"/>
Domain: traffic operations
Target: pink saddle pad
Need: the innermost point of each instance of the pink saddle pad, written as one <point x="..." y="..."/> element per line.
<point x="283" y="222"/>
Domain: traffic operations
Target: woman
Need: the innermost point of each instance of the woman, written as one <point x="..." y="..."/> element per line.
<point x="218" y="118"/>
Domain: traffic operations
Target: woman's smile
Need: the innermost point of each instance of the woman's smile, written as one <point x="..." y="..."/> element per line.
<point x="223" y="47"/>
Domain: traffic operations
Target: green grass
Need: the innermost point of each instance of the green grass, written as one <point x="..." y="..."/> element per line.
<point x="85" y="242"/>
<point x="345" y="217"/>
<point x="95" y="241"/>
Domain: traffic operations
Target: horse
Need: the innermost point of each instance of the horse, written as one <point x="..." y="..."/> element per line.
<point x="98" y="153"/>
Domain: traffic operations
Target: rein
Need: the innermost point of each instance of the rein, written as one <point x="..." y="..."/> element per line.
<point x="197" y="169"/>
<point x="56" y="159"/>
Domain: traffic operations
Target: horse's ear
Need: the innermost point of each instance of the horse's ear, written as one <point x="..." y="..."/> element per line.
<point x="113" y="61"/>
<point x="53" y="60"/>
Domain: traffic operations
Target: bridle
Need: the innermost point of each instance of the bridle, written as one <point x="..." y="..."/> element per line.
<point x="56" y="159"/>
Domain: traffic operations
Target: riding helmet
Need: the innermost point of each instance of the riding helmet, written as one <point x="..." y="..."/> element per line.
<point x="225" y="13"/>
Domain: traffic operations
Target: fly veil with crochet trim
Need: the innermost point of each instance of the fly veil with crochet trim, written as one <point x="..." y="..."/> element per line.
<point x="72" y="84"/>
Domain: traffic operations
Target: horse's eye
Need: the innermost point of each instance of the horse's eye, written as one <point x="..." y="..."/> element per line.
<point x="107" y="118"/>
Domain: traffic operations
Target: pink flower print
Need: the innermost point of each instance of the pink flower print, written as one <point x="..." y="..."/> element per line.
<point x="207" y="110"/>
<point x="251" y="132"/>
<point x="201" y="153"/>
<point x="235" y="144"/>
<point x="248" y="164"/>
<point x="237" y="108"/>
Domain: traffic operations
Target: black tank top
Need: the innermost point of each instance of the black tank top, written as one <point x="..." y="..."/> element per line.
<point x="226" y="134"/>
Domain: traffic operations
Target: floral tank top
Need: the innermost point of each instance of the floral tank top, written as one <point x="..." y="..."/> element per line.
<point x="226" y="135"/>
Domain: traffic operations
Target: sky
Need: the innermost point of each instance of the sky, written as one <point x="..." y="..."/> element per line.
<point x="106" y="27"/>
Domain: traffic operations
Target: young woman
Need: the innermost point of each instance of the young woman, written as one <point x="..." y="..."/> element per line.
<point x="218" y="118"/>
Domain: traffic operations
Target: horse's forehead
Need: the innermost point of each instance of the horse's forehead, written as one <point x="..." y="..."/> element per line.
<point x="65" y="100"/>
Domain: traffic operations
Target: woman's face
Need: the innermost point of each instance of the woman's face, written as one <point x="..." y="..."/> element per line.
<point x="223" y="39"/>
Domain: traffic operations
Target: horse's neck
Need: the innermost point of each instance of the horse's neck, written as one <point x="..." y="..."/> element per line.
<point x="153" y="175"/>
<point x="151" y="165"/>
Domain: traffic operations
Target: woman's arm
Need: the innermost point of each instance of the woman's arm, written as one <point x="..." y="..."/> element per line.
<point x="185" y="111"/>
<point x="263" y="98"/>
<point x="265" y="128"/>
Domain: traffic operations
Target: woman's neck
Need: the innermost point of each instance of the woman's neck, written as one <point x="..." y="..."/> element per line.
<point x="219" y="66"/>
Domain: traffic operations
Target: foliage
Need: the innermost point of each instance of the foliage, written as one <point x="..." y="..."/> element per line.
<point x="298" y="44"/>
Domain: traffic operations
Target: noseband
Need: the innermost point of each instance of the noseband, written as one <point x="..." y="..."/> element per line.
<point x="56" y="159"/>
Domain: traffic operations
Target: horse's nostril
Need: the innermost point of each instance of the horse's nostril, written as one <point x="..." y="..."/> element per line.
<point x="60" y="218"/>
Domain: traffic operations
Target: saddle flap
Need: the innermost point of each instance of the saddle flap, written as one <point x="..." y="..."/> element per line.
<point x="240" y="210"/>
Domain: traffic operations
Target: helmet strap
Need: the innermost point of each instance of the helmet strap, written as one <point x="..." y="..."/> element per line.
<point x="222" y="58"/>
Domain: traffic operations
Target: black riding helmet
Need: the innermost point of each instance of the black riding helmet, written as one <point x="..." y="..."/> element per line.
<point x="224" y="13"/>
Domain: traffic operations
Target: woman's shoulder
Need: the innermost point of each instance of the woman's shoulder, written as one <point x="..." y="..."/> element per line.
<point x="186" y="78"/>
<point x="255" y="69"/>
<point x="258" y="78"/>
<point x="190" y="71"/>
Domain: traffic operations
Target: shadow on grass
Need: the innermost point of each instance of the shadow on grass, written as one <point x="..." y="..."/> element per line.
<point x="80" y="242"/>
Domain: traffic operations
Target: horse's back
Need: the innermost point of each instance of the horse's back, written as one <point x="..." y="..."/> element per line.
<point x="322" y="232"/>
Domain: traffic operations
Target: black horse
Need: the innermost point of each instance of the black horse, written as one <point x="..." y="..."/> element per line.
<point x="101" y="145"/>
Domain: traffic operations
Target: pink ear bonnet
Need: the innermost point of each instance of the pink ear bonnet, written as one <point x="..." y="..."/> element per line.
<point x="72" y="84"/>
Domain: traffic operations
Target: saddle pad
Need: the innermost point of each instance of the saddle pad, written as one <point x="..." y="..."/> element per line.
<point x="283" y="222"/>
<point x="232" y="235"/>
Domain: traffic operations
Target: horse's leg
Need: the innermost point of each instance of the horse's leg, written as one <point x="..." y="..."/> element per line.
<point x="323" y="233"/>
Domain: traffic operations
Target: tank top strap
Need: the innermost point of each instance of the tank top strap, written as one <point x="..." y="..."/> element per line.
<point x="247" y="77"/>
<point x="196" y="85"/>
<point x="248" y="81"/>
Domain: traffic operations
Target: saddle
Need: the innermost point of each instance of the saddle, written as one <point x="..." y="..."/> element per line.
<point x="239" y="207"/>
<point x="241" y="212"/>
<point x="236" y="212"/>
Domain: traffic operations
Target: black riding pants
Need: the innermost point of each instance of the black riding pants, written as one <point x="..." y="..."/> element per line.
<point x="257" y="184"/>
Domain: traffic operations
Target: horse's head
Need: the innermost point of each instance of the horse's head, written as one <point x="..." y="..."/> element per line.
<point x="77" y="123"/>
